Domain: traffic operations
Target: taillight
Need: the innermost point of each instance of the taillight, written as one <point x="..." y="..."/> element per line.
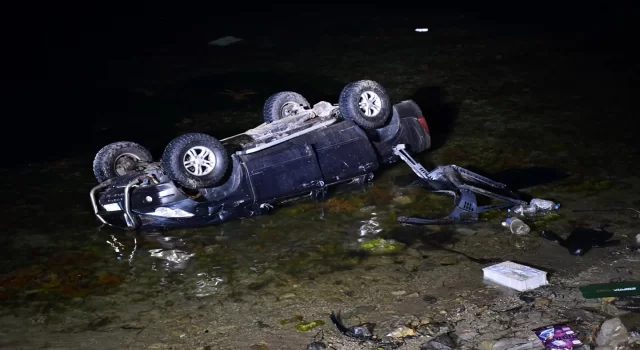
<point x="424" y="124"/>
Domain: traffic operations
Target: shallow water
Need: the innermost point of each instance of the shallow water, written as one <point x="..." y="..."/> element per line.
<point x="536" y="115"/>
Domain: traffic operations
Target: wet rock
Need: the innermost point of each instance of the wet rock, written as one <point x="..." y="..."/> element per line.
<point x="467" y="336"/>
<point x="429" y="299"/>
<point x="448" y="260"/>
<point x="486" y="345"/>
<point x="211" y="249"/>
<point x="381" y="246"/>
<point x="359" y="310"/>
<point x="427" y="266"/>
<point x="368" y="209"/>
<point x="612" y="333"/>
<point x="225" y="329"/>
<point x="401" y="332"/>
<point x="441" y="342"/>
<point x="541" y="302"/>
<point x="466" y="231"/>
<point x="261" y="324"/>
<point x="433" y="329"/>
<point x="316" y="345"/>
<point x="412" y="252"/>
<point x="425" y="320"/>
<point x="402" y="200"/>
<point x="486" y="232"/>
<point x="631" y="321"/>
<point x="583" y="315"/>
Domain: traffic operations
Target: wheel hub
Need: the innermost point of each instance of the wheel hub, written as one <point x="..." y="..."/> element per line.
<point x="125" y="163"/>
<point x="199" y="161"/>
<point x="288" y="109"/>
<point x="370" y="104"/>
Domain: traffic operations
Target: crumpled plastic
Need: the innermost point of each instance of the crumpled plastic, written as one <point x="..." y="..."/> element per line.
<point x="558" y="337"/>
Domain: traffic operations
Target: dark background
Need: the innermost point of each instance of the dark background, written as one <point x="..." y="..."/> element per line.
<point x="67" y="64"/>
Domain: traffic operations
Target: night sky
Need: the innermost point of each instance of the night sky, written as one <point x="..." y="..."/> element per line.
<point x="68" y="60"/>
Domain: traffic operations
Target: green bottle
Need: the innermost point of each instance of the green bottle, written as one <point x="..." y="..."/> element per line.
<point x="604" y="290"/>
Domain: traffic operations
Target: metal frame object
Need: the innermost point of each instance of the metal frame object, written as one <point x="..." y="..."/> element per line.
<point x="463" y="185"/>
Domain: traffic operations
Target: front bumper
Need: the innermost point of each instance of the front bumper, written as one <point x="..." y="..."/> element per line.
<point x="144" y="201"/>
<point x="115" y="212"/>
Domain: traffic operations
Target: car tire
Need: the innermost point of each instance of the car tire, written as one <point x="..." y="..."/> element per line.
<point x="366" y="103"/>
<point x="195" y="160"/>
<point x="119" y="158"/>
<point x="391" y="129"/>
<point x="278" y="106"/>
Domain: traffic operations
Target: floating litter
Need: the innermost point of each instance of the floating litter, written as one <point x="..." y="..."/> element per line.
<point x="422" y="30"/>
<point x="516" y="276"/>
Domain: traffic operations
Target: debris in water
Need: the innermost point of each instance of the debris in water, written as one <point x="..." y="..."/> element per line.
<point x="307" y="326"/>
<point x="516" y="276"/>
<point x="362" y="332"/>
<point x="224" y="41"/>
<point x="558" y="337"/>
<point x="582" y="239"/>
<point x="603" y="290"/>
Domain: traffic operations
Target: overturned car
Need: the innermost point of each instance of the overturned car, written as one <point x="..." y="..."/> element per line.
<point x="299" y="150"/>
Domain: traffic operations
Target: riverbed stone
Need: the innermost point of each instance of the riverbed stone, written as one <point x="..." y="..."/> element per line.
<point x="612" y="332"/>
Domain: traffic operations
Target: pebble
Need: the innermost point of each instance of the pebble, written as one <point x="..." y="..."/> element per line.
<point x="287" y="296"/>
<point x="399" y="292"/>
<point x="401" y="332"/>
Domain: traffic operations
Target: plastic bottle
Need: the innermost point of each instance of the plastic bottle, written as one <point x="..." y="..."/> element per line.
<point x="517" y="226"/>
<point x="537" y="207"/>
<point x="543" y="204"/>
<point x="523" y="210"/>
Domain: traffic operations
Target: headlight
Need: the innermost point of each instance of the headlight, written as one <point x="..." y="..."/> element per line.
<point x="170" y="213"/>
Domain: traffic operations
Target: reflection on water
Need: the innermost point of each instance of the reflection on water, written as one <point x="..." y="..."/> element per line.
<point x="173" y="259"/>
<point x="207" y="285"/>
<point x="370" y="227"/>
<point x="119" y="248"/>
<point x="297" y="241"/>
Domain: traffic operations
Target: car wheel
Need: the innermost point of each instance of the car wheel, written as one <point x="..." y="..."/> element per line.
<point x="366" y="103"/>
<point x="119" y="158"/>
<point x="282" y="105"/>
<point x="195" y="160"/>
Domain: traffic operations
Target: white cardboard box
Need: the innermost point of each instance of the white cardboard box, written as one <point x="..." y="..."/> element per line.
<point x="516" y="276"/>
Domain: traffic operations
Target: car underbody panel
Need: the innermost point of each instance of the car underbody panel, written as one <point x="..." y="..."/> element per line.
<point x="256" y="181"/>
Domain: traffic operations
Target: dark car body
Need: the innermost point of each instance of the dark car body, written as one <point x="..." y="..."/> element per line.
<point x="300" y="166"/>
